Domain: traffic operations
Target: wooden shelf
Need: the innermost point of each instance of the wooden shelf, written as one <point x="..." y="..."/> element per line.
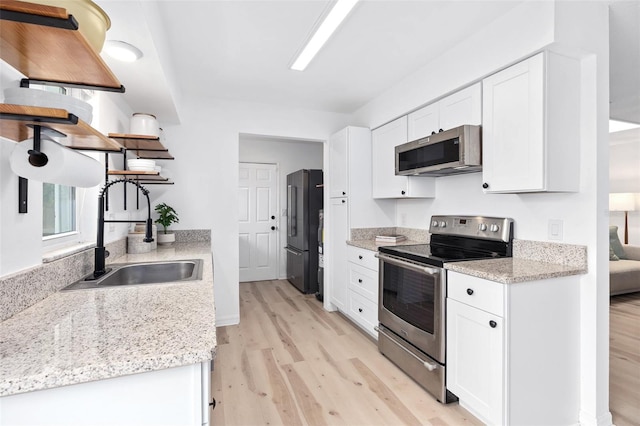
<point x="147" y="147"/>
<point x="79" y="135"/>
<point x="138" y="175"/>
<point x="40" y="42"/>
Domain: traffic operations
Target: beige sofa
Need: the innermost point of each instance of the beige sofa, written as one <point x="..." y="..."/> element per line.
<point x="624" y="274"/>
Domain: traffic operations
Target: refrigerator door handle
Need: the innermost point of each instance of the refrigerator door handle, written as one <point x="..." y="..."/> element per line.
<point x="291" y="211"/>
<point x="297" y="253"/>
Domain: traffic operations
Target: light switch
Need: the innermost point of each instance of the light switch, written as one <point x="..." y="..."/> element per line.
<point x="555" y="229"/>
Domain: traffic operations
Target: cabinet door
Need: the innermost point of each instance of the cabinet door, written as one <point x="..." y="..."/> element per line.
<point x="462" y="107"/>
<point x="338" y="232"/>
<point x="423" y="122"/>
<point x="385" y="182"/>
<point x="513" y="128"/>
<point x="384" y="140"/>
<point x="475" y="370"/>
<point x="338" y="161"/>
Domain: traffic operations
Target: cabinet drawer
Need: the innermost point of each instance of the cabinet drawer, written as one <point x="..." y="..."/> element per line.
<point x="363" y="281"/>
<point x="476" y="292"/>
<point x="363" y="312"/>
<point x="362" y="257"/>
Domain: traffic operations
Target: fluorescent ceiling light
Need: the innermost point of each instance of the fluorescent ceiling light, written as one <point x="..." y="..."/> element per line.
<point x="339" y="11"/>
<point x="619" y="126"/>
<point x="122" y="51"/>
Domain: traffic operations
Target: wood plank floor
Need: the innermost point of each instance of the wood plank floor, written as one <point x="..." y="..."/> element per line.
<point x="289" y="362"/>
<point x="624" y="359"/>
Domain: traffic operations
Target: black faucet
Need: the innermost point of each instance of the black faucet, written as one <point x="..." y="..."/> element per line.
<point x="100" y="252"/>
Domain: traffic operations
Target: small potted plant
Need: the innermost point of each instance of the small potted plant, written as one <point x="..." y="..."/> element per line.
<point x="167" y="216"/>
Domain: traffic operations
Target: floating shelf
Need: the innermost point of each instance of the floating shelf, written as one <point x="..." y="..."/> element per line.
<point x="41" y="42"/>
<point x="147" y="147"/>
<point x="139" y="176"/>
<point x="15" y="121"/>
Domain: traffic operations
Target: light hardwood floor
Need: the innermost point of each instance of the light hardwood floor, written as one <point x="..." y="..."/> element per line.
<point x="624" y="359"/>
<point x="289" y="362"/>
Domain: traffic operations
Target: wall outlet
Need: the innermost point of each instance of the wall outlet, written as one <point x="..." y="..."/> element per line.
<point x="555" y="230"/>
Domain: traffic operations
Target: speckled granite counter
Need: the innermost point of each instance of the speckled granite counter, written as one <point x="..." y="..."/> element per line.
<point x="513" y="270"/>
<point x="373" y="246"/>
<point x="80" y="336"/>
<point x="365" y="237"/>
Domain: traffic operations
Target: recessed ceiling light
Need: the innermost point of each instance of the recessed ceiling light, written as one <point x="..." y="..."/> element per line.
<point x="619" y="126"/>
<point x="122" y="51"/>
<point x="339" y="11"/>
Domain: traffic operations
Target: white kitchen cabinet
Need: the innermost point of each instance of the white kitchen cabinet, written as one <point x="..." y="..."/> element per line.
<point x="531" y="128"/>
<point x="338" y="169"/>
<point x="178" y="396"/>
<point x="363" y="289"/>
<point x="457" y="109"/>
<point x="337" y="234"/>
<point x="513" y="349"/>
<point x="385" y="182"/>
<point x="475" y="347"/>
<point x="350" y="205"/>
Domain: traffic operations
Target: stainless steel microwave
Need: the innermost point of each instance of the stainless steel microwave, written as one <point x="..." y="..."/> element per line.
<point x="454" y="151"/>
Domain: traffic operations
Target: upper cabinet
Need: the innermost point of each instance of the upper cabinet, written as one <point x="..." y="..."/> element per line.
<point x="462" y="107"/>
<point x="531" y="127"/>
<point x="338" y="164"/>
<point x="385" y="182"/>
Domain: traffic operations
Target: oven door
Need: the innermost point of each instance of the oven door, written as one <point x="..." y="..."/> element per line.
<point x="412" y="303"/>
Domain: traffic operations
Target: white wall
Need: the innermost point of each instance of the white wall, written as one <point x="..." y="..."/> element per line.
<point x="579" y="29"/>
<point x="206" y="148"/>
<point x="289" y="156"/>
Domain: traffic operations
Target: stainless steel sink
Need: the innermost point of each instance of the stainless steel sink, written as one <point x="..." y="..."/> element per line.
<point x="128" y="274"/>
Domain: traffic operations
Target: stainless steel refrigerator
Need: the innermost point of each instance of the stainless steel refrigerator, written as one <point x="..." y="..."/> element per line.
<point x="304" y="201"/>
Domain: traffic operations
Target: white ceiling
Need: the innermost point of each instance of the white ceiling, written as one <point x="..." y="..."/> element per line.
<point x="241" y="50"/>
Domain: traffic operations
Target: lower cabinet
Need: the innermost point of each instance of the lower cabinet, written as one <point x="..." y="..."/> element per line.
<point x="363" y="289"/>
<point x="513" y="349"/>
<point x="475" y="347"/>
<point x="178" y="396"/>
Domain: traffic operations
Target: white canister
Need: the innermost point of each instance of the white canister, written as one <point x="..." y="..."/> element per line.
<point x="144" y="124"/>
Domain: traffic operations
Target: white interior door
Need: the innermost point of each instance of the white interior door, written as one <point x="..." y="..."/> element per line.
<point x="258" y="208"/>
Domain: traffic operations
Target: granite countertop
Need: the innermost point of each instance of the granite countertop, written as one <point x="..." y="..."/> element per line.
<point x="85" y="335"/>
<point x="511" y="270"/>
<point x="373" y="246"/>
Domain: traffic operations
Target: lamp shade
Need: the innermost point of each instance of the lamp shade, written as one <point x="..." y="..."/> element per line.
<point x="622" y="202"/>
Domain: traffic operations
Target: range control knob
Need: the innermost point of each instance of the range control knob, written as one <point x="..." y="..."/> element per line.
<point x="494" y="228"/>
<point x="482" y="227"/>
<point x="434" y="223"/>
<point x="443" y="224"/>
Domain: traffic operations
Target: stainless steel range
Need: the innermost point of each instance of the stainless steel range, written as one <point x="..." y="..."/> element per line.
<point x="413" y="291"/>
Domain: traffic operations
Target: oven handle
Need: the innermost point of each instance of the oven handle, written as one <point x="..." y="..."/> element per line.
<point x="428" y="365"/>
<point x="408" y="265"/>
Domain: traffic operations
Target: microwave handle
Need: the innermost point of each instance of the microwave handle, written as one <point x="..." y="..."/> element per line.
<point x="411" y="266"/>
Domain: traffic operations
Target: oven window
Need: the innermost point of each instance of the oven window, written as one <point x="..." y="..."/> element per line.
<point x="410" y="295"/>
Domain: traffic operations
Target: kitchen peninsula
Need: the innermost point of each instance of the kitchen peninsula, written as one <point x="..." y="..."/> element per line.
<point x="98" y="341"/>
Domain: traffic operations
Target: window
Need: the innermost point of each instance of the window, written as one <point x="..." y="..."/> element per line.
<point x="58" y="209"/>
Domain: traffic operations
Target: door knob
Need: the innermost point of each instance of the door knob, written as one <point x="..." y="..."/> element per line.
<point x="273" y="228"/>
<point x="403" y="192"/>
<point x="485" y="185"/>
<point x="493" y="324"/>
<point x="273" y="217"/>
